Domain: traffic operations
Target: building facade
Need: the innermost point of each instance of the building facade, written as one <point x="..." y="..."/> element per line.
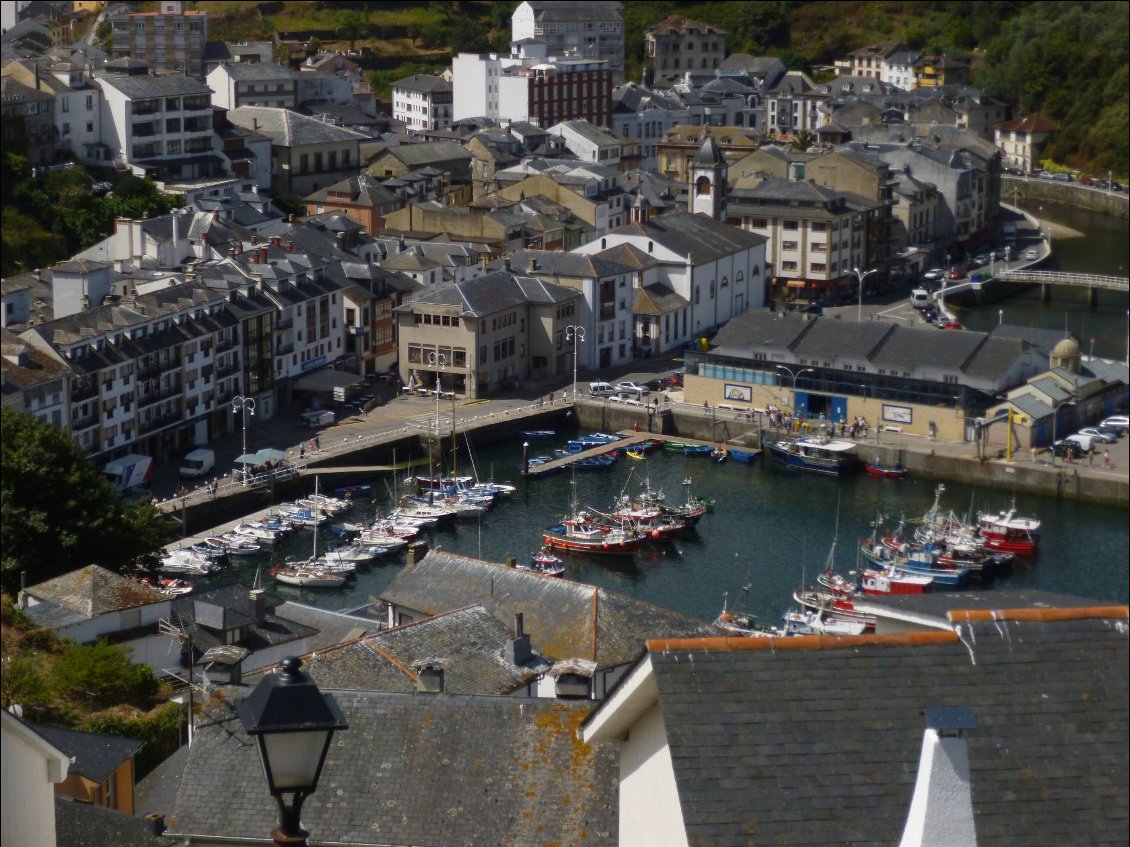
<point x="170" y="39"/>
<point x="592" y="30"/>
<point x="677" y="44"/>
<point x="423" y="102"/>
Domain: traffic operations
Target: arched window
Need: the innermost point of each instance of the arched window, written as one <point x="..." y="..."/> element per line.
<point x="650" y="246"/>
<point x="603" y="243"/>
<point x="702" y="185"/>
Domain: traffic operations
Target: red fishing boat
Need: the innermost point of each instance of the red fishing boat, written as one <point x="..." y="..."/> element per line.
<point x="1005" y="531"/>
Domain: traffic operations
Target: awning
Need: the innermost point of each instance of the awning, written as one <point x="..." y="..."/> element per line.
<point x="796" y="283"/>
<point x="326" y="380"/>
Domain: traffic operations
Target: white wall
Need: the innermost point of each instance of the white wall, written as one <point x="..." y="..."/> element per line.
<point x="28" y="818"/>
<point x="650" y="814"/>
<point x="469" y="77"/>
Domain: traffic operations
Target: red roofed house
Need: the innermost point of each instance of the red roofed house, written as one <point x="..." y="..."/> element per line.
<point x="1022" y="140"/>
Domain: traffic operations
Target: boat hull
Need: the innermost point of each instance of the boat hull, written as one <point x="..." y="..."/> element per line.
<point x="826" y="465"/>
<point x="596" y="548"/>
<point x="883" y="472"/>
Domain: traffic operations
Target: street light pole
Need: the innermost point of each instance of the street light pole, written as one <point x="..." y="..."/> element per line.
<point x="246" y="405"/>
<point x="789" y="371"/>
<point x="859" y="277"/>
<point x="576" y="334"/>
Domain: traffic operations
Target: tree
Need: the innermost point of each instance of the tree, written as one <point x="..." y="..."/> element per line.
<point x="104" y="35"/>
<point x="803" y="140"/>
<point x="57" y="512"/>
<point x="104" y="673"/>
<point x="352" y="25"/>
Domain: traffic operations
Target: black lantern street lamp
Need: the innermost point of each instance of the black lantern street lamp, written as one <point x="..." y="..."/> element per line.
<point x="292" y="722"/>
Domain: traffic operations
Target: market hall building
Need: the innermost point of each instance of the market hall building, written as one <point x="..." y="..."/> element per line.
<point x="924" y="381"/>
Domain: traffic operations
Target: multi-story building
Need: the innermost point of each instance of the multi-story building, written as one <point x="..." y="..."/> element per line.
<point x="645" y="116"/>
<point x="532" y="86"/>
<point x="679" y="146"/>
<point x="361" y="197"/>
<point x="29" y="118"/>
<point x="423" y="102"/>
<point x="306" y="154"/>
<point x="793" y="105"/>
<point x="718" y="270"/>
<point x="677" y="44"/>
<point x="77" y="109"/>
<point x="161" y="125"/>
<point x="144" y="370"/>
<point x="914" y="213"/>
<point x="593" y="30"/>
<point x="1022" y="140"/>
<point x="169" y="39"/>
<point x="253" y="84"/>
<point x="815" y="235"/>
<point x="871" y="61"/>
<point x="486" y="333"/>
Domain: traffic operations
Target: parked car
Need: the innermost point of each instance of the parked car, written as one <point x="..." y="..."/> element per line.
<point x="658" y="384"/>
<point x="630" y="388"/>
<point x="952" y="325"/>
<point x="1086" y="180"/>
<point x="1002" y="253"/>
<point x="1085" y="442"/>
<point x="1066" y="448"/>
<point x="1031" y="253"/>
<point x="1111" y="429"/>
<point x="1098" y="435"/>
<point x="934" y="274"/>
<point x="1120" y="421"/>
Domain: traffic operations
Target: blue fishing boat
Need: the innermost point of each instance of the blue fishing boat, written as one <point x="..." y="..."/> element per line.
<point x="746" y="457"/>
<point x="817" y="454"/>
<point x="698" y="449"/>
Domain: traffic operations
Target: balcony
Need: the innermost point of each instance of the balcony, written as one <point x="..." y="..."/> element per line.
<point x="227" y="370"/>
<point x="224" y="346"/>
<point x="144" y="400"/>
<point x="146" y="427"/>
<point x="146" y="107"/>
<point x="284" y="349"/>
<point x="287" y="323"/>
<point x="607" y="311"/>
<point x="83" y="391"/>
<point x="85" y="422"/>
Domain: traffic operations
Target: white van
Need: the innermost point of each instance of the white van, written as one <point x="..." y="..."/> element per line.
<point x="1085" y="442"/>
<point x="919" y="298"/>
<point x="198" y="462"/>
<point x="601" y="389"/>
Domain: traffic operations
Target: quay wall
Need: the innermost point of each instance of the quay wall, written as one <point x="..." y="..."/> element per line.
<point x="940" y="460"/>
<point x="1025" y="192"/>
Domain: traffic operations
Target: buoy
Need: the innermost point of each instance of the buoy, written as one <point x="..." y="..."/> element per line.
<point x="655" y="533"/>
<point x="604" y="545"/>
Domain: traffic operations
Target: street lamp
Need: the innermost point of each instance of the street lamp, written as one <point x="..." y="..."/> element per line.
<point x="859" y="277"/>
<point x="246" y="405"/>
<point x="292" y="723"/>
<point x="789" y="371"/>
<point x="1070" y="401"/>
<point x="1000" y="317"/>
<point x="575" y="334"/>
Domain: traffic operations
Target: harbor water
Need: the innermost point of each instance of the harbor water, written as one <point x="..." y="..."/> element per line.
<point x="770" y="532"/>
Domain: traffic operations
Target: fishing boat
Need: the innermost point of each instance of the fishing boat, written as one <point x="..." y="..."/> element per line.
<point x="881" y="471"/>
<point x="638" y="455"/>
<point x="812" y="622"/>
<point x="238" y="545"/>
<point x="914" y="559"/>
<point x="1008" y="532"/>
<point x="697" y="450"/>
<point x="746" y="457"/>
<point x="186" y="563"/>
<point x="817" y="454"/>
<point x="579" y="534"/>
<point x="545" y="563"/>
<point x="833" y="606"/>
<point x="349" y="492"/>
<point x="358" y="553"/>
<point x="537" y="434"/>
<point x="675" y="446"/>
<point x="744" y="624"/>
<point x="305" y="577"/>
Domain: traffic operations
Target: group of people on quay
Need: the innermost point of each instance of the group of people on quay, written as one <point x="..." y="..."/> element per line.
<point x="801" y="423"/>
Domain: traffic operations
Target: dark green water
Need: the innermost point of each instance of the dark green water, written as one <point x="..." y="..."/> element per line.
<point x="770" y="529"/>
<point x="1103" y="249"/>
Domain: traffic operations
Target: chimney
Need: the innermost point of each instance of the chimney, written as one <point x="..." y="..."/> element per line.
<point x="276" y="241"/>
<point x="258" y="604"/>
<point x="533" y="265"/>
<point x="429" y="676"/>
<point x="941" y="810"/>
<point x="506" y="264"/>
<point x="290" y="247"/>
<point x="518" y="650"/>
<point x="254" y="239"/>
<point x="416" y="551"/>
<point x="263" y="255"/>
<point x="156" y="821"/>
<point x="216" y="217"/>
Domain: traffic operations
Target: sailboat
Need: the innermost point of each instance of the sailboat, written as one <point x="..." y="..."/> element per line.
<point x="578" y="533"/>
<point x="313" y="573"/>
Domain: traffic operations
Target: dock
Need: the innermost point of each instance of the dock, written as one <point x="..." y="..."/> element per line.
<point x="628" y="440"/>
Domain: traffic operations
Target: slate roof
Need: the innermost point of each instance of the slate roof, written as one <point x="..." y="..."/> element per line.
<point x="86" y="593"/>
<point x="420" y="155"/>
<point x="142" y="86"/>
<point x="94" y="756"/>
<point x="556" y="263"/>
<point x="698" y="236"/>
<point x="565" y="619"/>
<point x="469" y="643"/>
<point x="290" y="129"/>
<point x="423" y="83"/>
<point x="418" y="769"/>
<point x="657" y="299"/>
<point x="758" y="762"/>
<point x="80" y="824"/>
<point x="258" y="72"/>
<point x="157" y="791"/>
<point x="493" y="292"/>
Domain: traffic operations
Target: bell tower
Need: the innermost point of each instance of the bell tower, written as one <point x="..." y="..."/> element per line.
<point x="708" y="181"/>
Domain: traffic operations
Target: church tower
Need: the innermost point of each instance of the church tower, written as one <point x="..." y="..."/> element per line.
<point x="708" y="181"/>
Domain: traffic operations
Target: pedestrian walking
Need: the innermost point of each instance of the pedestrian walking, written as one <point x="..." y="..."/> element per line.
<point x="1106" y="458"/>
<point x="317" y="442"/>
<point x="1091" y="455"/>
<point x="564" y="396"/>
<point x="302" y="450"/>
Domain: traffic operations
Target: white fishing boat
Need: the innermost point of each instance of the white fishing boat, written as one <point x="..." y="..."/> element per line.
<point x="305" y="577"/>
<point x="355" y="553"/>
<point x="260" y="534"/>
<point x="239" y="545"/>
<point x="806" y="622"/>
<point x="185" y="562"/>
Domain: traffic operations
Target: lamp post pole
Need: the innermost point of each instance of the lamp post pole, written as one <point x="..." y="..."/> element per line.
<point x="789" y="371"/>
<point x="246" y="405"/>
<point x="859" y="277"/>
<point x="439" y="362"/>
<point x="576" y="334"/>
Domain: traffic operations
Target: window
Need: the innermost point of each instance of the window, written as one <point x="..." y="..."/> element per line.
<point x="66" y="104"/>
<point x="788" y="245"/>
<point x="788" y="266"/>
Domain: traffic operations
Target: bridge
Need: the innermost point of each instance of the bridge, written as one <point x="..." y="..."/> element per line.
<point x="1107" y="283"/>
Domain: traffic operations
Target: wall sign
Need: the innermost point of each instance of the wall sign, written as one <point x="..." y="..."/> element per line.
<point x="741" y="393"/>
<point x="898" y="414"/>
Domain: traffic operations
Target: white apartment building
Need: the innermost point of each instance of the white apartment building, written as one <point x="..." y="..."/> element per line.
<point x="168" y="40"/>
<point x="253" y="84"/>
<point x="78" y="104"/>
<point x="422" y="102"/>
<point x="593" y="29"/>
<point x="158" y="124"/>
